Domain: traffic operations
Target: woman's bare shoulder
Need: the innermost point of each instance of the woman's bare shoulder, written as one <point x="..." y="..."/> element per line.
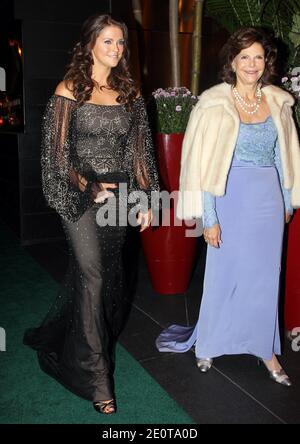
<point x="65" y="89"/>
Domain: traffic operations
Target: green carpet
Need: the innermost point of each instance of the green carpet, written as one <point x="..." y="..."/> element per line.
<point x="27" y="395"/>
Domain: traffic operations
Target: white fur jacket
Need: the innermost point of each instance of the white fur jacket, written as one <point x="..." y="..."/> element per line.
<point x="210" y="140"/>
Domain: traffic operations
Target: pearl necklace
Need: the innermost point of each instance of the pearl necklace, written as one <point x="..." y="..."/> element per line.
<point x="243" y="104"/>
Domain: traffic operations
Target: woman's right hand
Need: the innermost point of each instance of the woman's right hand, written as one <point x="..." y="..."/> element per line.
<point x="99" y="190"/>
<point x="212" y="236"/>
<point x="104" y="194"/>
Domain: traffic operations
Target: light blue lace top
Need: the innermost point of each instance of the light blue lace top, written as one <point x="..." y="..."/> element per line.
<point x="257" y="144"/>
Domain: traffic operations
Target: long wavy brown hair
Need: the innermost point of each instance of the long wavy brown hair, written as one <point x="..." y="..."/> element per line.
<point x="242" y="39"/>
<point x="79" y="74"/>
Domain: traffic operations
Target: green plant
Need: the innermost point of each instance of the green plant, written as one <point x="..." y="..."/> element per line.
<point x="281" y="16"/>
<point x="174" y="105"/>
<point x="291" y="82"/>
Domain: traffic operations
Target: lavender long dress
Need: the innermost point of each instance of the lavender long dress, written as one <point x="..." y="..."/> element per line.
<point x="239" y="309"/>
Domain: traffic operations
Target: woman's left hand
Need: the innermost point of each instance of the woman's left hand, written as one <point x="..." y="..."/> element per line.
<point x="144" y="219"/>
<point x="288" y="217"/>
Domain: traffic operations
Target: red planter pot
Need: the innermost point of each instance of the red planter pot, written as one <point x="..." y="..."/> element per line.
<point x="169" y="253"/>
<point x="292" y="286"/>
<point x="168" y="151"/>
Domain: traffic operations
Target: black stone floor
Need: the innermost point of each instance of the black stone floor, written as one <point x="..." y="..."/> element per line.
<point x="234" y="391"/>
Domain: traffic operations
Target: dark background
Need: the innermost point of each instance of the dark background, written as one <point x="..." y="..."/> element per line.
<point x="11" y="98"/>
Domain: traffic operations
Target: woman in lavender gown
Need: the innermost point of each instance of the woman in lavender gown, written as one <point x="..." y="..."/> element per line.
<point x="240" y="171"/>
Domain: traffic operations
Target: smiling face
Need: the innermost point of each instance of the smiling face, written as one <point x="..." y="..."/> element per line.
<point x="249" y="64"/>
<point x="109" y="47"/>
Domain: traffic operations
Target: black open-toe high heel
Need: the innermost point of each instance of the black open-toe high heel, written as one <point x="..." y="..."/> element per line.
<point x="105" y="407"/>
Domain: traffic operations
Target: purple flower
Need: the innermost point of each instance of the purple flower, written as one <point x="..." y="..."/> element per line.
<point x="284" y="79"/>
<point x="169" y="102"/>
<point x="295" y="87"/>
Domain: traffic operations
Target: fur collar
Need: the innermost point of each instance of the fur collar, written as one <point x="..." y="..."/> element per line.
<point x="221" y="95"/>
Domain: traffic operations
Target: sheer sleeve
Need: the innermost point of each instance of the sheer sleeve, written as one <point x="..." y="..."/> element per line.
<point x="210" y="217"/>
<point x="139" y="158"/>
<point x="59" y="176"/>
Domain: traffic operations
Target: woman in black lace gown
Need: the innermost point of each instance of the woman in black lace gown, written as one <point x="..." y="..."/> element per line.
<point x="95" y="137"/>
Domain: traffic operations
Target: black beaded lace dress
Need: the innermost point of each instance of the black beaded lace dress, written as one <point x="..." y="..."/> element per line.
<point x="103" y="143"/>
